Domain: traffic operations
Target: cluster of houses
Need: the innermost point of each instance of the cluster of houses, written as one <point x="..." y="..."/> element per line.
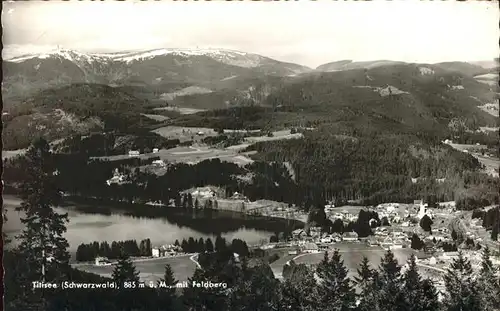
<point x="443" y="259"/>
<point x="136" y="153"/>
<point x="117" y="178"/>
<point x="317" y="241"/>
<point x="405" y="216"/>
<point x="166" y="251"/>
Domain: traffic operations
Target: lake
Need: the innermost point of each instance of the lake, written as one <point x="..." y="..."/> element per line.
<point x="113" y="224"/>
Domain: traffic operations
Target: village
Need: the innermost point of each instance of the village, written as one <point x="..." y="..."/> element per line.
<point x="398" y="228"/>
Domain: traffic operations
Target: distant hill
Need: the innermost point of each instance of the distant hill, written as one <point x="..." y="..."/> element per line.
<point x="349" y="65"/>
<point x="488" y="64"/>
<point x="469" y="69"/>
<point x="406" y="93"/>
<point x="74" y="109"/>
<point x="464" y="68"/>
<point x="156" y="70"/>
<point x="391" y="98"/>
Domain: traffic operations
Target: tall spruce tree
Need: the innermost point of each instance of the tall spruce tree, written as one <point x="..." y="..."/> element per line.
<point x="42" y="241"/>
<point x="416" y="297"/>
<point x="490" y="288"/>
<point x="203" y="298"/>
<point x="257" y="289"/>
<point x="127" y="278"/>
<point x="125" y="271"/>
<point x="390" y="278"/>
<point x="368" y="284"/>
<point x="462" y="289"/>
<point x="334" y="289"/>
<point x="298" y="291"/>
<point x="430" y="300"/>
<point x="42" y="251"/>
<point x="167" y="287"/>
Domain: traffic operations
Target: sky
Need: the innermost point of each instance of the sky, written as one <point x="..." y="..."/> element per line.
<point x="310" y="33"/>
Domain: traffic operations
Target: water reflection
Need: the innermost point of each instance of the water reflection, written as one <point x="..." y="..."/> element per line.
<point x="91" y="222"/>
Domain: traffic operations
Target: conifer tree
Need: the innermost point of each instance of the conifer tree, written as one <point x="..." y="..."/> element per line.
<point x="416" y="296"/>
<point x="127" y="279"/>
<point x="43" y="248"/>
<point x="390" y="278"/>
<point x="202" y="298"/>
<point x="462" y="290"/>
<point x="125" y="271"/>
<point x="167" y="289"/>
<point x="490" y="288"/>
<point x="185" y="246"/>
<point x="412" y="285"/>
<point x="201" y="245"/>
<point x="177" y="200"/>
<point x="298" y="291"/>
<point x="209" y="245"/>
<point x="42" y="240"/>
<point x="430" y="300"/>
<point x="256" y="289"/>
<point x="368" y="284"/>
<point x="334" y="289"/>
<point x="196" y="203"/>
<point x="190" y="200"/>
<point x="494" y="230"/>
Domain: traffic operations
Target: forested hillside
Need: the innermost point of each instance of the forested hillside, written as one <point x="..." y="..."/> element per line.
<point x="74" y="109"/>
<point x="380" y="168"/>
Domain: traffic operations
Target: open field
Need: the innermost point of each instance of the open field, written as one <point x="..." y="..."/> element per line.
<point x="150" y="269"/>
<point x="195" y="154"/>
<point x="198" y="154"/>
<point x="156" y="117"/>
<point x="278" y="135"/>
<point x="190" y="155"/>
<point x="180" y="110"/>
<point x="6" y="154"/>
<point x="351" y="253"/>
<point x="184" y="133"/>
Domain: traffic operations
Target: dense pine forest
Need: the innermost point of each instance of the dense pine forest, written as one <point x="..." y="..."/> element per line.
<point x="340" y="168"/>
<point x="381" y="168"/>
<point x="42" y="255"/>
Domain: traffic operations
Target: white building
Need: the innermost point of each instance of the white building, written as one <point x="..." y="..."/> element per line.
<point x="102" y="261"/>
<point x="396" y="246"/>
<point x="311" y="248"/>
<point x="326" y="240"/>
<point x="155" y="252"/>
<point x="156" y="150"/>
<point x="134" y="153"/>
<point x="350" y="237"/>
<point x="159" y="163"/>
<point x="116" y="179"/>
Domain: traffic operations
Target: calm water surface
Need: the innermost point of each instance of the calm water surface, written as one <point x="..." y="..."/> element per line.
<point x="88" y="227"/>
